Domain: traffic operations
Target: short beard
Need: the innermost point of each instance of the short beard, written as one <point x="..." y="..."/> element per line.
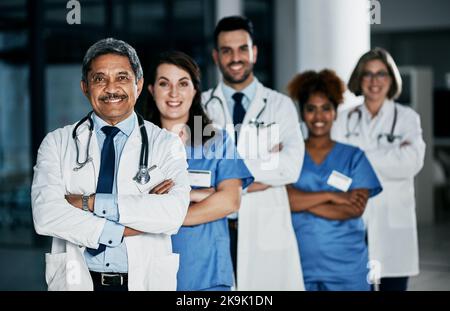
<point x="228" y="78"/>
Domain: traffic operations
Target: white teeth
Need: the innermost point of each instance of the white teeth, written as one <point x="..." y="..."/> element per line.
<point x="173" y="104"/>
<point x="319" y="124"/>
<point x="236" y="67"/>
<point x="113" y="100"/>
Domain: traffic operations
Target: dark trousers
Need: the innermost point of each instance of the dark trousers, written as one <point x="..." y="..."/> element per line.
<point x="393" y="284"/>
<point x="232" y="225"/>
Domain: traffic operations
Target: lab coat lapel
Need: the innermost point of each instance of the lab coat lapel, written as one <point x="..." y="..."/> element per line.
<point x="220" y="114"/>
<point x="256" y="105"/>
<point x="381" y="124"/>
<point x="248" y="141"/>
<point x="86" y="178"/>
<point x="129" y="160"/>
<point x="228" y="114"/>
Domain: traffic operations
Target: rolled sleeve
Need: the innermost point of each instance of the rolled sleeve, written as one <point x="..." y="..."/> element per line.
<point x="112" y="234"/>
<point x="106" y="206"/>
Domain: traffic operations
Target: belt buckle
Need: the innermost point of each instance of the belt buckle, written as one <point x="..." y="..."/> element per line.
<point x="111" y="275"/>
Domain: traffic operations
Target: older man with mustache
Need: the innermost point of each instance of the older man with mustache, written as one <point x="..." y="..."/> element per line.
<point x="110" y="226"/>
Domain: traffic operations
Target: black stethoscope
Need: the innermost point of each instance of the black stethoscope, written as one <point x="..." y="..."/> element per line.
<point x="390" y="137"/>
<point x="142" y="176"/>
<point x="253" y="121"/>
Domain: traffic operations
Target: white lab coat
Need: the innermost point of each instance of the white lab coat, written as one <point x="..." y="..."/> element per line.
<point x="390" y="217"/>
<point x="151" y="263"/>
<point x="267" y="256"/>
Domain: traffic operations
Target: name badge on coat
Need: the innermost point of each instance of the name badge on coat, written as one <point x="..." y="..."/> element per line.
<point x="339" y="181"/>
<point x="200" y="178"/>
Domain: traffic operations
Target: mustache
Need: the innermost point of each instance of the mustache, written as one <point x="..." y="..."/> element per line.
<point x="236" y="63"/>
<point x="113" y="96"/>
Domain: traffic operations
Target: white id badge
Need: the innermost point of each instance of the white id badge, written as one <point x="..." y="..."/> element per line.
<point x="339" y="181"/>
<point x="199" y="178"/>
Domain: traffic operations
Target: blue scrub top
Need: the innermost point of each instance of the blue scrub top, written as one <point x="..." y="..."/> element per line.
<point x="205" y="258"/>
<point x="333" y="250"/>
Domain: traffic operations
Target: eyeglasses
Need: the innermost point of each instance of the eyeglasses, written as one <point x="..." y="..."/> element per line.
<point x="380" y="75"/>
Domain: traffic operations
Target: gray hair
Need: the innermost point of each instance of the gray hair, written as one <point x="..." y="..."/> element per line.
<point x="111" y="46"/>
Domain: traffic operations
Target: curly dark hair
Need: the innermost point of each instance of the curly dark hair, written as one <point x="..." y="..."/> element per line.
<point x="325" y="82"/>
<point x="186" y="63"/>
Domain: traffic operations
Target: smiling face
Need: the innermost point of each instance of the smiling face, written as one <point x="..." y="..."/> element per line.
<point x="235" y="56"/>
<point x="319" y="114"/>
<point x="111" y="87"/>
<point x="173" y="92"/>
<point x="376" y="81"/>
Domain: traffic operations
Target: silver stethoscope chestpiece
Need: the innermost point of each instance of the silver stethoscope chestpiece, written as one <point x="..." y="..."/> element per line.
<point x="143" y="175"/>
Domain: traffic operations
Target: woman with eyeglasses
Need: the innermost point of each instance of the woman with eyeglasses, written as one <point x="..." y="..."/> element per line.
<point x="391" y="136"/>
<point x="329" y="198"/>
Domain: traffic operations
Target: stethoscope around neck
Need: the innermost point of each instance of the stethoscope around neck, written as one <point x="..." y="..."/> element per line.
<point x="142" y="176"/>
<point x="390" y="137"/>
<point x="253" y="121"/>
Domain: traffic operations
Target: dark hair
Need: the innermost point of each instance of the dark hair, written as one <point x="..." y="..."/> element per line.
<point x="325" y="82"/>
<point x="111" y="46"/>
<point x="231" y="23"/>
<point x="354" y="83"/>
<point x="186" y="63"/>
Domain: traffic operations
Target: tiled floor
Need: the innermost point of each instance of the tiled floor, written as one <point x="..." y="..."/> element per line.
<point x="22" y="266"/>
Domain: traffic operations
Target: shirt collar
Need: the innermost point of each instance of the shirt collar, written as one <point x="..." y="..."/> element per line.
<point x="126" y="126"/>
<point x="249" y="92"/>
<point x="383" y="110"/>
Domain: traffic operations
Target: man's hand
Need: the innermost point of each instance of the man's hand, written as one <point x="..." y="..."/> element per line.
<point x="257" y="186"/>
<point x="198" y="195"/>
<point x="162" y="188"/>
<point x="76" y="201"/>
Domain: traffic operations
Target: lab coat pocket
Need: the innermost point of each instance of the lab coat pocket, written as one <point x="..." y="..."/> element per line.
<point x="55" y="271"/>
<point x="273" y="233"/>
<point x="400" y="206"/>
<point x="163" y="273"/>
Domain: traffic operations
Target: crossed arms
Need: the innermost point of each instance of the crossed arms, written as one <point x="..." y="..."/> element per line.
<point x="330" y="205"/>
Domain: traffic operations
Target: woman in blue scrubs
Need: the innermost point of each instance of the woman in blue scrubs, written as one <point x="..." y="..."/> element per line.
<point x="331" y="193"/>
<point x="217" y="174"/>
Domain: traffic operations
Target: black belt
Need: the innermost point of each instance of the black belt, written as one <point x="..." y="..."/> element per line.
<point x="233" y="223"/>
<point x="109" y="278"/>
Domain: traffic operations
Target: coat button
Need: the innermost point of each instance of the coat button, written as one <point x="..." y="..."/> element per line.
<point x="107" y="264"/>
<point x="104" y="212"/>
<point x="109" y="242"/>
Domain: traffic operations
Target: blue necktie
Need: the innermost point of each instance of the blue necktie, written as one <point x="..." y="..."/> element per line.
<point x="238" y="111"/>
<point x="107" y="167"/>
